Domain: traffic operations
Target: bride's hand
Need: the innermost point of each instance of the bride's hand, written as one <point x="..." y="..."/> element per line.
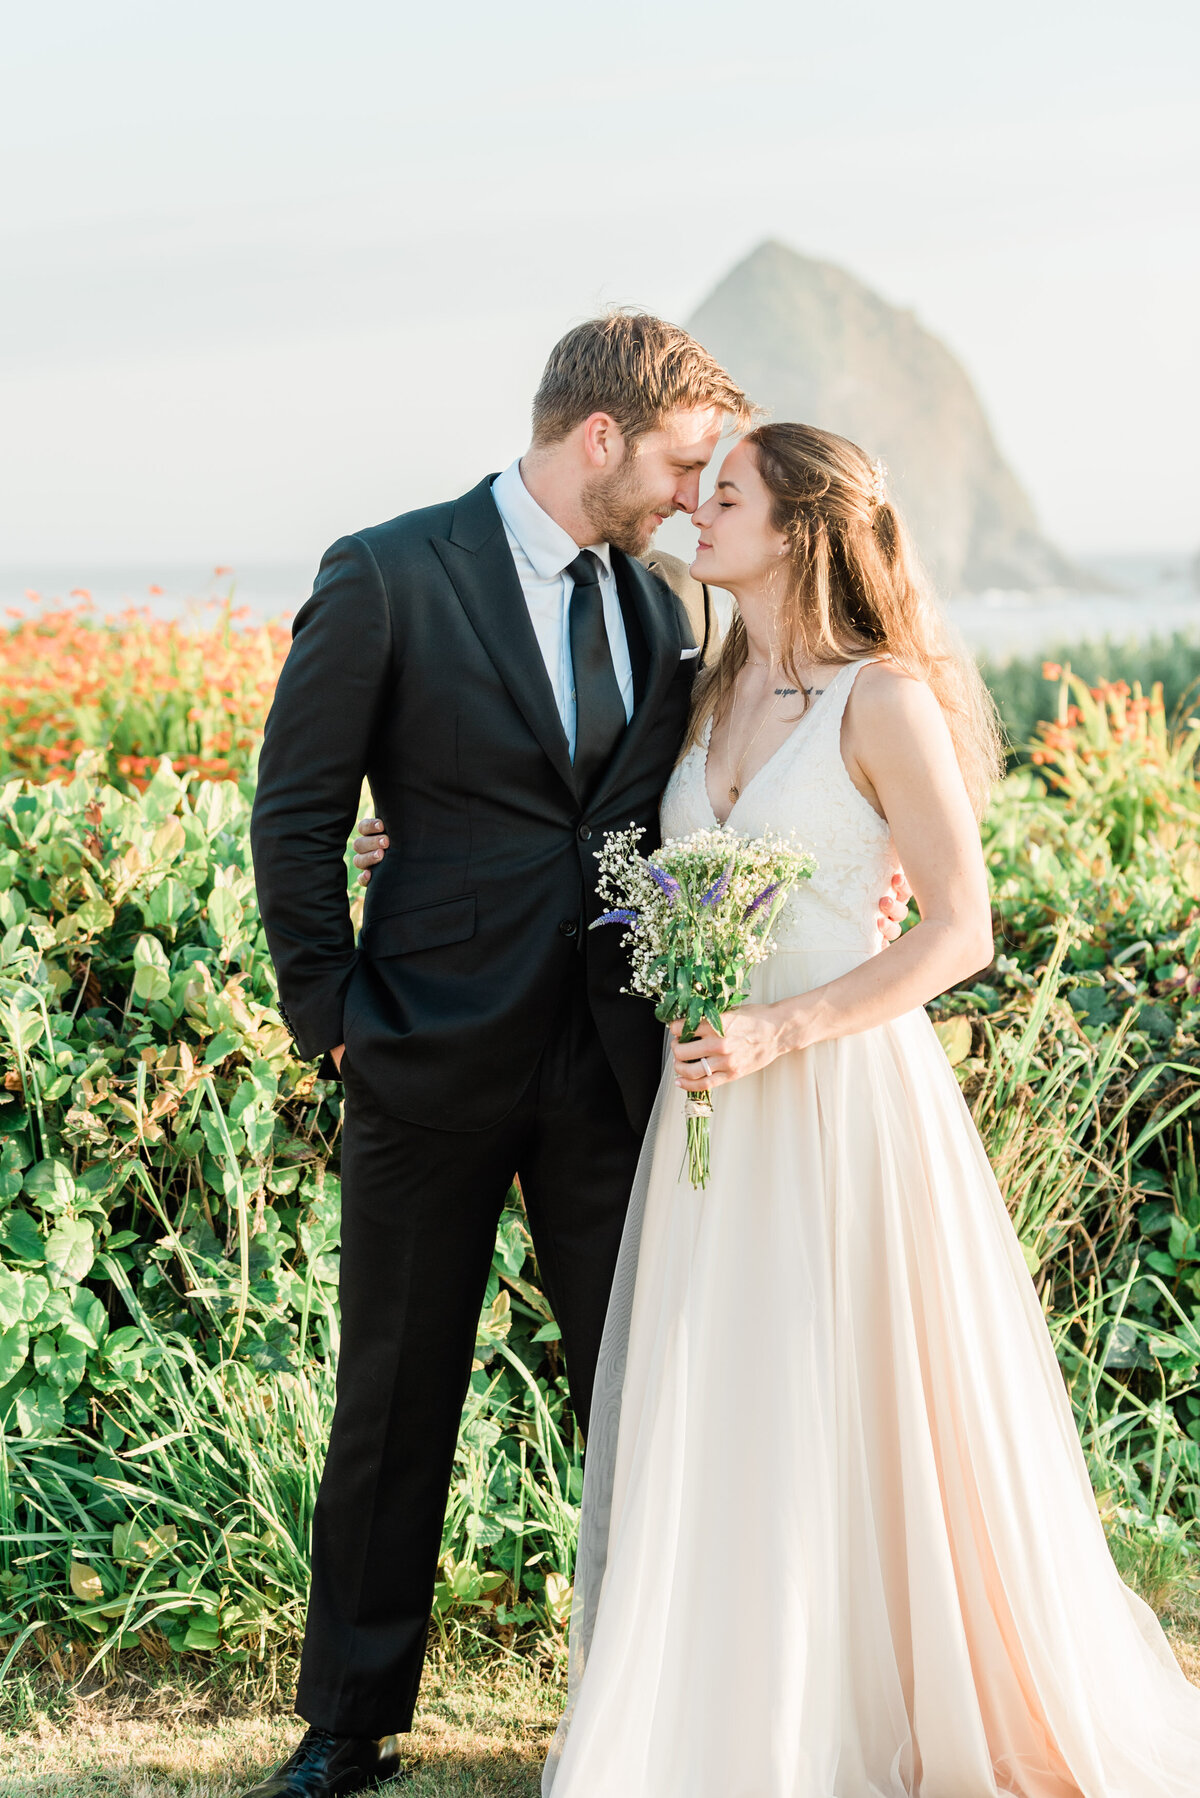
<point x="753" y="1039"/>
<point x="369" y="846"/>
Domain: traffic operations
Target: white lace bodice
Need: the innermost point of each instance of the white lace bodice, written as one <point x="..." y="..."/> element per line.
<point x="805" y="788"/>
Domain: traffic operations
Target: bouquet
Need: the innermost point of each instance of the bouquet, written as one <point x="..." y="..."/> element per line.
<point x="698" y="915"/>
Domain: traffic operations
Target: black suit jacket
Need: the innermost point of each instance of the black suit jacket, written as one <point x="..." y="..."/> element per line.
<point x="415" y="664"/>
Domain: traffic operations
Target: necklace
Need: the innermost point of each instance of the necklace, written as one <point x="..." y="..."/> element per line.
<point x="735" y="785"/>
<point x="785" y="692"/>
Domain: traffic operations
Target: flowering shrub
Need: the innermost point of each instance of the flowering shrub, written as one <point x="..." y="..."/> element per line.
<point x="136" y="688"/>
<point x="1111" y="756"/>
<point x="169" y="1216"/>
<point x="168" y="1170"/>
<point x="1018" y="684"/>
<point x="1079" y="1052"/>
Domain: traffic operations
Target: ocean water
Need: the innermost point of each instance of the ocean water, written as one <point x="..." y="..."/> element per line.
<point x="1136" y="597"/>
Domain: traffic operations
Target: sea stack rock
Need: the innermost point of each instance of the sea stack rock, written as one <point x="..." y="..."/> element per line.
<point x="808" y="341"/>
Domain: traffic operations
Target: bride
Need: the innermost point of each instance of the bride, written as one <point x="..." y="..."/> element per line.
<point x="838" y="1539"/>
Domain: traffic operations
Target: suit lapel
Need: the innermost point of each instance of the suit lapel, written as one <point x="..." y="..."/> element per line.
<point x="479" y="562"/>
<point x="653" y="613"/>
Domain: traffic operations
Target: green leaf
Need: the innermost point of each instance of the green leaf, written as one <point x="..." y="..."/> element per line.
<point x="223" y="1044"/>
<point x="11" y="1174"/>
<point x="135" y="1542"/>
<point x="168" y="841"/>
<point x="61" y="1359"/>
<point x="14" y="1346"/>
<point x="283" y="1180"/>
<point x="51" y="1184"/>
<point x="36" y="1293"/>
<point x="148" y="952"/>
<point x="224" y="911"/>
<point x="92" y="916"/>
<point x="21" y="1237"/>
<point x="12" y="1297"/>
<point x="86" y="1583"/>
<point x="39" y="1411"/>
<point x="70" y="1249"/>
<point x="548" y="1333"/>
<point x="111" y="1431"/>
<point x="166" y="903"/>
<point x="954" y="1034"/>
<point x="150" y="983"/>
<point x="1156" y="1022"/>
<point x="90" y="1318"/>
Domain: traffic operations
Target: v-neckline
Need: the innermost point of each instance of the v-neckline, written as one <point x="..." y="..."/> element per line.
<point x="721" y="823"/>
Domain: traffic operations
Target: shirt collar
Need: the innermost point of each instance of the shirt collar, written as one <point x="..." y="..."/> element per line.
<point x="546" y="545"/>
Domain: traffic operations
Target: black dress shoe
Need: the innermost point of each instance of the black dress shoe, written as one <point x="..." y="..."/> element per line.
<point x="329" y="1766"/>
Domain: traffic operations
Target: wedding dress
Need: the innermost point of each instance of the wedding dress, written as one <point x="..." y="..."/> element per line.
<point x="838" y="1538"/>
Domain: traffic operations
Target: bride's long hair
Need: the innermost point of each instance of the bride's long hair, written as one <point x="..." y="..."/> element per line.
<point x="854" y="589"/>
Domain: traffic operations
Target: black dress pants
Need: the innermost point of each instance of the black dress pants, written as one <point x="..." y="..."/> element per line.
<point x="419" y="1215"/>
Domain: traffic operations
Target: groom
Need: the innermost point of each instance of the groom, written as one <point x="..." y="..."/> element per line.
<point x="513" y="682"/>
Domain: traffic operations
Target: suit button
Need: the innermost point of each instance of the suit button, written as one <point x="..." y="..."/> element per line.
<point x="585" y="833"/>
<point x="568" y="927"/>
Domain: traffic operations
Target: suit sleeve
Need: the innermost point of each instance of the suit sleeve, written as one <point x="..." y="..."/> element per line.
<point x="310" y="773"/>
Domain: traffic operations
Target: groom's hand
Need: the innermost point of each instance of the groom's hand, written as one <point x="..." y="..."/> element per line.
<point x="893" y="908"/>
<point x="369" y="846"/>
<point x="337" y="1056"/>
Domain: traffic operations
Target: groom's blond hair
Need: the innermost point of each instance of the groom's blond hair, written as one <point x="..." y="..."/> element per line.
<point x="635" y="367"/>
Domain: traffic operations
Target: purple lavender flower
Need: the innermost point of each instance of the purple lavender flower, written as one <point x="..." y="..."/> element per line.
<point x="614" y="917"/>
<point x="664" y="881"/>
<point x="716" y="891"/>
<point x="767" y="894"/>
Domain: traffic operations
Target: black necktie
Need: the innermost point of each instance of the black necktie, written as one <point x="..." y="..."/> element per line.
<point x="599" y="708"/>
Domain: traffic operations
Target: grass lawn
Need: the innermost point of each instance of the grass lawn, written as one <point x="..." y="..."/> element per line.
<point x="482" y="1732"/>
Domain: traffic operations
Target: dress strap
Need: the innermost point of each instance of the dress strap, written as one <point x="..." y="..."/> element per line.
<point x="844" y="681"/>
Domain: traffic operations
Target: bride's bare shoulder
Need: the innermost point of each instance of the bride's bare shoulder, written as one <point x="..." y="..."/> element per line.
<point x="884" y="688"/>
<point x="888" y="707"/>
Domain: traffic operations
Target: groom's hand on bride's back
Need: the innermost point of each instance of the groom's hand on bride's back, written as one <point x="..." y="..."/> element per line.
<point x="372" y="841"/>
<point x="369" y="846"/>
<point x="893" y="907"/>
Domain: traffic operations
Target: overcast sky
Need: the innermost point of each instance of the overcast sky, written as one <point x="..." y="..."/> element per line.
<point x="273" y="272"/>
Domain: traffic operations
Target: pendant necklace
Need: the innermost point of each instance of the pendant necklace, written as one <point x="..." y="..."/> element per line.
<point x="735" y="785"/>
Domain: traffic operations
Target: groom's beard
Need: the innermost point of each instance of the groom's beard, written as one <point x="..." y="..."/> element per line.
<point x="621" y="512"/>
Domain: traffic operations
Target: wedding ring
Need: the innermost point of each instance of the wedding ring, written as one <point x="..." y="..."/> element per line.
<point x="704" y="1064"/>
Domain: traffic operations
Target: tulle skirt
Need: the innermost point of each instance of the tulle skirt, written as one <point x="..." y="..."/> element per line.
<point x="839" y="1539"/>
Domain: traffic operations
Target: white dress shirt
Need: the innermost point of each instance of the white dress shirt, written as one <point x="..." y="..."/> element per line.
<point x="541" y="550"/>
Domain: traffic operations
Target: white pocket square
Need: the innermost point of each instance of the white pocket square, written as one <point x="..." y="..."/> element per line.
<point x="687" y="655"/>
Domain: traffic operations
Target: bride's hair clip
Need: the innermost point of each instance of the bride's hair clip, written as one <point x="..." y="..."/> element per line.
<point x="878" y="482"/>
